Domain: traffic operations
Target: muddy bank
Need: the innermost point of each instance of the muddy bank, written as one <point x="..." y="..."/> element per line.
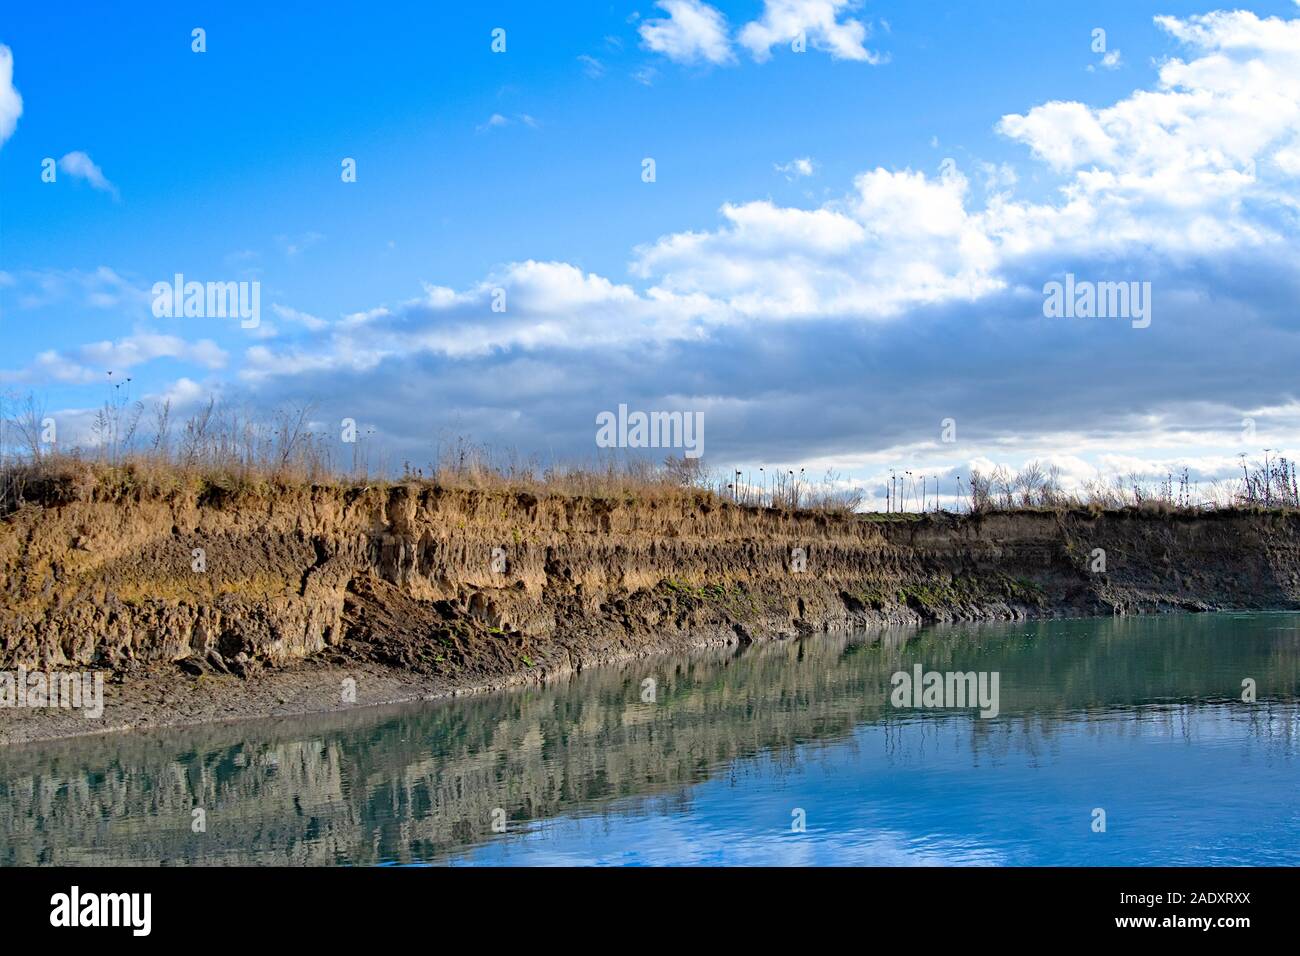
<point x="205" y="606"/>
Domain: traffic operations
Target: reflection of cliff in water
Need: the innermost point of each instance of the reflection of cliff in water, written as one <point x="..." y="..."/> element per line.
<point x="415" y="782"/>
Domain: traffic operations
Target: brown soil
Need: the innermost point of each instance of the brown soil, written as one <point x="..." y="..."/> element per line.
<point x="396" y="587"/>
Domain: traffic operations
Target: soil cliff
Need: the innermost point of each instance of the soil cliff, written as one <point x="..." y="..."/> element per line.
<point x="477" y="588"/>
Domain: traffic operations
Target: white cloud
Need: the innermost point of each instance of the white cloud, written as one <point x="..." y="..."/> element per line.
<point x="1143" y="176"/>
<point x="11" y="103"/>
<point x="692" y="32"/>
<point x="1192" y="162"/>
<point x="498" y="121"/>
<point x="80" y="166"/>
<point x="1287" y="159"/>
<point x="548" y="305"/>
<point x="143" y="347"/>
<point x="183" y="392"/>
<point x="1206" y="120"/>
<point x="803" y="166"/>
<point x="1112" y="60"/>
<point x="102" y="288"/>
<point x="900" y="240"/>
<point x="1202" y="164"/>
<point x="591" y="66"/>
<point x="1065" y="135"/>
<point x="1158" y="174"/>
<point x="302" y="318"/>
<point x="998" y="176"/>
<point x="815" y="20"/>
<point x="906" y="285"/>
<point x="88" y="364"/>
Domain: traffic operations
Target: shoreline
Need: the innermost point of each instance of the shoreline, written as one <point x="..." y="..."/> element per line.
<point x="422" y="592"/>
<point x="312" y="688"/>
<point x="303" y="689"/>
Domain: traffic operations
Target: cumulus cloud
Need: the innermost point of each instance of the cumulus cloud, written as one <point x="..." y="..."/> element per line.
<point x="1111" y="60"/>
<point x="1196" y="134"/>
<point x="1199" y="166"/>
<point x="844" y="333"/>
<point x="796" y="168"/>
<point x="526" y="305"/>
<point x="101" y="288"/>
<point x="1202" y="165"/>
<point x="910" y="265"/>
<point x="11" y="103"/>
<point x="88" y="364"/>
<point x="80" y="166"/>
<point x="304" y="319"/>
<point x="498" y="120"/>
<point x="998" y="177"/>
<point x="818" y="22"/>
<point x="693" y="32"/>
<point x="898" y="241"/>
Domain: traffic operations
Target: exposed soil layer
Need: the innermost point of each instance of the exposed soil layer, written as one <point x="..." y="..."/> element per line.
<point x="203" y="607"/>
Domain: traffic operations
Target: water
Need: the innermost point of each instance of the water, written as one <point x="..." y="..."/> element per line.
<point x="1141" y="718"/>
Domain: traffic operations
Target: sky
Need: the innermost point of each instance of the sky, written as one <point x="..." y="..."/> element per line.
<point x="840" y="261"/>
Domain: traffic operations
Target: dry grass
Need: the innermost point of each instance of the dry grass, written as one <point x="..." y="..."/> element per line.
<point x="229" y="450"/>
<point x="61" y="478"/>
<point x="139" y="450"/>
<point x="1270" y="485"/>
<point x="224" y="451"/>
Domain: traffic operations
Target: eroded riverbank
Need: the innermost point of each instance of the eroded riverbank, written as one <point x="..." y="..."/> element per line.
<point x="202" y="606"/>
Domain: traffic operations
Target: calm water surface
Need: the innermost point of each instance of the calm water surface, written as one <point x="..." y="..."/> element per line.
<point x="1142" y="718"/>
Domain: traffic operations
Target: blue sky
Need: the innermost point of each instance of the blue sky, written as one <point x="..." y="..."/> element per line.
<point x="843" y="307"/>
